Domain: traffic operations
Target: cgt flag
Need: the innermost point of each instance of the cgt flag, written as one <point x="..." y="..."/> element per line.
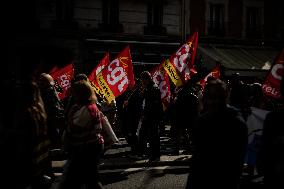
<point x="271" y="86"/>
<point x="179" y="64"/>
<point x="161" y="78"/>
<point x="93" y="75"/>
<point x="215" y="73"/>
<point x="62" y="78"/>
<point x="117" y="76"/>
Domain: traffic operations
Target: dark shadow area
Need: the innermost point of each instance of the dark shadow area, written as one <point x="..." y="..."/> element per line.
<point x="110" y="178"/>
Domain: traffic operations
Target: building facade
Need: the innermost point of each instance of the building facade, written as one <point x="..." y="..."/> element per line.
<point x="239" y="34"/>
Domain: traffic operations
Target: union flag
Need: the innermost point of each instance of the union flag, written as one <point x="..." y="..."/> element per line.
<point x="271" y="85"/>
<point x="117" y="76"/>
<point x="161" y="78"/>
<point x="62" y="78"/>
<point x="179" y="64"/>
<point x="215" y="73"/>
<point x="93" y="76"/>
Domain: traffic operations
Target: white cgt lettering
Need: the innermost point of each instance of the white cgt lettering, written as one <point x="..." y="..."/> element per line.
<point x="162" y="84"/>
<point x="180" y="59"/>
<point x="99" y="69"/>
<point x="122" y="84"/>
<point x="275" y="71"/>
<point x="116" y="75"/>
<point x="163" y="89"/>
<point x="64" y="81"/>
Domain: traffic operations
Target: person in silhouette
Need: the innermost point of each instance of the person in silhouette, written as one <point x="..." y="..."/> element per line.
<point x="271" y="155"/>
<point x="219" y="142"/>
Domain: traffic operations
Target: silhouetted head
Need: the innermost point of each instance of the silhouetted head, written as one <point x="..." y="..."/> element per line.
<point x="146" y="78"/>
<point x="46" y="80"/>
<point x="215" y="95"/>
<point x="80" y="77"/>
<point x="145" y="75"/>
<point x="255" y="90"/>
<point x="255" y="95"/>
<point x="83" y="92"/>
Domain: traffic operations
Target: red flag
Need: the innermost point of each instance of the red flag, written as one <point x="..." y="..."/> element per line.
<point x="93" y="75"/>
<point x="161" y="78"/>
<point x="117" y="75"/>
<point x="271" y="86"/>
<point x="62" y="78"/>
<point x="215" y="73"/>
<point x="102" y="64"/>
<point x="179" y="64"/>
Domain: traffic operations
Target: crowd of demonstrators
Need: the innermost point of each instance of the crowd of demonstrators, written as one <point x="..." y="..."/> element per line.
<point x="82" y="139"/>
<point x="219" y="141"/>
<point x="256" y="109"/>
<point x="218" y="123"/>
<point x="271" y="152"/>
<point x="245" y="136"/>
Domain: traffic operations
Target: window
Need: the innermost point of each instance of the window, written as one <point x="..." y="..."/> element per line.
<point x="154" y="17"/>
<point x="253" y="22"/>
<point x="110" y="16"/>
<point x="65" y="14"/>
<point x="216" y="20"/>
<point x="110" y="12"/>
<point x="155" y="13"/>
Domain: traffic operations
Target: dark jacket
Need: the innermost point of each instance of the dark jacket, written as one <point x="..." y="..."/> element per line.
<point x="271" y="157"/>
<point x="219" y="146"/>
<point x="153" y="110"/>
<point x="186" y="109"/>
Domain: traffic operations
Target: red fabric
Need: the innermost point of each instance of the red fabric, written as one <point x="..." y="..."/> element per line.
<point x="102" y="64"/>
<point x="119" y="73"/>
<point x="183" y="59"/>
<point x="215" y="73"/>
<point x="62" y="78"/>
<point x="161" y="78"/>
<point x="271" y="85"/>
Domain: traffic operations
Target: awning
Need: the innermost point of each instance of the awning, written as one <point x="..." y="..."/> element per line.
<point x="238" y="57"/>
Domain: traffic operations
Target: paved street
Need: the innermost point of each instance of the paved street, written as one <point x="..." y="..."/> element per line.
<point x="118" y="157"/>
<point x="119" y="170"/>
<point x="144" y="177"/>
